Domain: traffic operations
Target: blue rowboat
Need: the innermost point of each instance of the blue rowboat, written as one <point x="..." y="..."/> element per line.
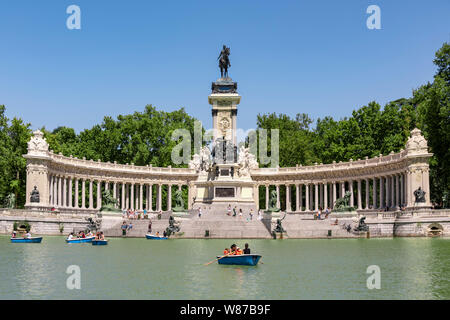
<point x="153" y="237"/>
<point x="26" y="240"/>
<point x="99" y="242"/>
<point x="242" y="260"/>
<point x="80" y="240"/>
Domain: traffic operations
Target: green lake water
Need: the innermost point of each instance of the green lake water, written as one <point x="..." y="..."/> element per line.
<point x="291" y="269"/>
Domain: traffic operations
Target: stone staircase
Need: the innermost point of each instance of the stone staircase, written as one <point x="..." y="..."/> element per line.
<point x="212" y="223"/>
<point x="306" y="227"/>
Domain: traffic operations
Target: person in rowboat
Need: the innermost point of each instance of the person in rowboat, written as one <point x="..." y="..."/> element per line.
<point x="246" y="249"/>
<point x="14" y="234"/>
<point x="101" y="236"/>
<point x="28" y="235"/>
<point x="70" y="237"/>
<point x="226" y="252"/>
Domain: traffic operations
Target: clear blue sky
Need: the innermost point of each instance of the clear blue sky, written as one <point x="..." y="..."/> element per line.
<point x="318" y="56"/>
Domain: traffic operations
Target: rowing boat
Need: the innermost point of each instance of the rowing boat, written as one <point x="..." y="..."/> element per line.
<point x="153" y="237"/>
<point x="80" y="240"/>
<point x="242" y="259"/>
<point x="99" y="242"/>
<point x="26" y="240"/>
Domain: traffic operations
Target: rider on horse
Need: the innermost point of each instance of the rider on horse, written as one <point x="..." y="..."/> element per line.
<point x="224" y="61"/>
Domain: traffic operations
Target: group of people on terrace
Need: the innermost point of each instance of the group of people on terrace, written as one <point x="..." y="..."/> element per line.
<point x="239" y="213"/>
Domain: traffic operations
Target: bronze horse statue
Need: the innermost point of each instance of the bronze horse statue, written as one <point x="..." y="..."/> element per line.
<point x="224" y="61"/>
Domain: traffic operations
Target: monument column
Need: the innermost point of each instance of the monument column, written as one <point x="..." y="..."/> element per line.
<point x="325" y="195"/>
<point x="288" y="198"/>
<point x="307" y="196"/>
<point x="392" y="201"/>
<point x="397" y="191"/>
<point x="64" y="192"/>
<point x="91" y="199"/>
<point x="267" y="197"/>
<point x="70" y="193"/>
<point x="278" y="196"/>
<point x="76" y="193"/>
<point x="122" y="203"/>
<point x="159" y="204"/>
<point x="169" y="197"/>
<point x="83" y="193"/>
<point x="350" y="189"/>
<point x="367" y="193"/>
<point x="381" y="192"/>
<point x="99" y="194"/>
<point x="374" y="193"/>
<point x="132" y="197"/>
<point x="150" y="197"/>
<point x="300" y="197"/>
<point x="359" y="195"/>
<point x="316" y="196"/>
<point x="334" y="194"/>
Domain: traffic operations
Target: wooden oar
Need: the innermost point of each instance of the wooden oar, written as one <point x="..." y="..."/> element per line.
<point x="217" y="259"/>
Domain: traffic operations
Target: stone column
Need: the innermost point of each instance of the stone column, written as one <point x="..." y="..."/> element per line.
<point x="300" y="197"/>
<point x="278" y="196"/>
<point x="59" y="191"/>
<point x="402" y="189"/>
<point x="91" y="198"/>
<point x="141" y="198"/>
<point x="297" y="198"/>
<point x="367" y="193"/>
<point x="159" y="203"/>
<point x="64" y="192"/>
<point x="307" y="197"/>
<point x="388" y="191"/>
<point x="115" y="190"/>
<point x="122" y="196"/>
<point x="288" y="200"/>
<point x="50" y="189"/>
<point x="70" y="193"/>
<point x="150" y="197"/>
<point x="267" y="197"/>
<point x="83" y="193"/>
<point x="99" y="194"/>
<point x="334" y="194"/>
<point x="169" y="197"/>
<point x="132" y="197"/>
<point x="127" y="196"/>
<point x="397" y="191"/>
<point x="325" y="195"/>
<point x="316" y="194"/>
<point x="76" y="193"/>
<point x="381" y="193"/>
<point x="342" y="189"/>
<point x="392" y="191"/>
<point x="374" y="193"/>
<point x="359" y="195"/>
<point x="350" y="188"/>
<point x="320" y="195"/>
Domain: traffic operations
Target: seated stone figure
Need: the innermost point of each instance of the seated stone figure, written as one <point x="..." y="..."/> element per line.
<point x="179" y="202"/>
<point x="273" y="202"/>
<point x="420" y="195"/>
<point x="34" y="195"/>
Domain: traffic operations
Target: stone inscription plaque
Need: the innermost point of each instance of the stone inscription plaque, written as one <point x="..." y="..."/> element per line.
<point x="225" y="192"/>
